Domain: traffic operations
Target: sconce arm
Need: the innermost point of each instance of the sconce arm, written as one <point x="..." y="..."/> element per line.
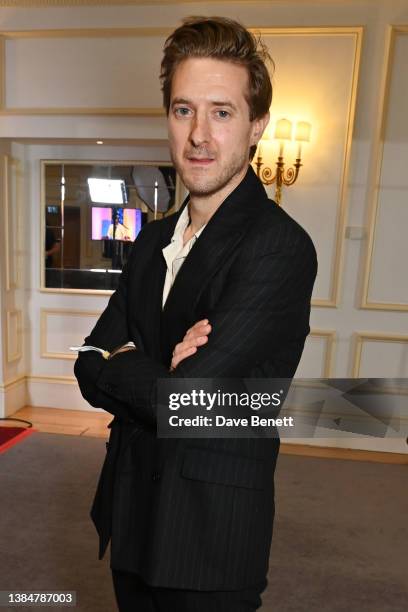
<point x="290" y="175"/>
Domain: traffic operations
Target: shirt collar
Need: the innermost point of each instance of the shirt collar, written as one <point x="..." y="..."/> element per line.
<point x="175" y="248"/>
<point x="182" y="224"/>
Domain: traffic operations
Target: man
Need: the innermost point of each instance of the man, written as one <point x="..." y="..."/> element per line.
<point x="220" y="289"/>
<point x="117" y="231"/>
<point x="119" y="234"/>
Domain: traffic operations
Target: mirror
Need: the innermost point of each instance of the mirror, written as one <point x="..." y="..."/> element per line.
<point x="92" y="213"/>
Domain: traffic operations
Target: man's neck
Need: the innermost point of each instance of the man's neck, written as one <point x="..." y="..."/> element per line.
<point x="201" y="209"/>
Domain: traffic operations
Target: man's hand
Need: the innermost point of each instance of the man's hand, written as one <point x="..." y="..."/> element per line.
<point x="195" y="336"/>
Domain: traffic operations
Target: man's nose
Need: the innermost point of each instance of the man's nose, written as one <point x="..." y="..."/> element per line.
<point x="200" y="130"/>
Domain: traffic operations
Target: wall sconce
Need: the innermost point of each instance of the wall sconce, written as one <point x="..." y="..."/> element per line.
<point x="283" y="131"/>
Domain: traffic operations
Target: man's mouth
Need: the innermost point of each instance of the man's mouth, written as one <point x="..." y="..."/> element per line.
<point x="200" y="161"/>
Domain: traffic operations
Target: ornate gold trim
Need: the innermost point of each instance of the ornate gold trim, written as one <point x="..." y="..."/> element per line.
<point x="375" y="173"/>
<point x="10" y="357"/>
<point x="361" y="337"/>
<point x="44" y="313"/>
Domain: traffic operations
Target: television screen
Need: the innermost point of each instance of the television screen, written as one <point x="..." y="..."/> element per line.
<point x="116" y="223"/>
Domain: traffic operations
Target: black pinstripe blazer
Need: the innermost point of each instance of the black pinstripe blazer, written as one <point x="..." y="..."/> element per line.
<point x="197" y="514"/>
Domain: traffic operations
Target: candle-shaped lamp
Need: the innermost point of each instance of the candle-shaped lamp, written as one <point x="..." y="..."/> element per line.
<point x="302" y="134"/>
<point x="283" y="131"/>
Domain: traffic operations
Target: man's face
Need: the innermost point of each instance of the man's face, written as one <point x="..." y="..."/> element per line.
<point x="209" y="128"/>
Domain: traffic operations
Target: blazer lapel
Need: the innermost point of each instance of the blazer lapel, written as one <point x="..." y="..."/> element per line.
<point x="220" y="237"/>
<point x="149" y="308"/>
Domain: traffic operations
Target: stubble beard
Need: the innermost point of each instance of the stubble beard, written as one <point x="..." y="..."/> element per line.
<point x="202" y="184"/>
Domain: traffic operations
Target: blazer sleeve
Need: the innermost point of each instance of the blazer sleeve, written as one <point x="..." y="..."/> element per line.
<point x="110" y="332"/>
<point x="265" y="302"/>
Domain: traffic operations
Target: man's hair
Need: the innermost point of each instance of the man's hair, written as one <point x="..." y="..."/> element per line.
<point x="223" y="39"/>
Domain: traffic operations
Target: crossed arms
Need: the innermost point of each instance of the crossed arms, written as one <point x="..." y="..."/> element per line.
<point x="264" y="307"/>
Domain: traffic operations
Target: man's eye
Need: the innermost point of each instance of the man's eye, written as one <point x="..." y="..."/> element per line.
<point x="223" y="114"/>
<point x="182" y="111"/>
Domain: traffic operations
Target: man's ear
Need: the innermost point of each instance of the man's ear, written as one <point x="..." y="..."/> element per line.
<point x="258" y="128"/>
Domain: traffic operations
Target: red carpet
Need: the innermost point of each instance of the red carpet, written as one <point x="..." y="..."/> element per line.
<point x="11" y="435"/>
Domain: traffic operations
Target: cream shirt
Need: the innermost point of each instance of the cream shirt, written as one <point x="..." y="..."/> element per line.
<point x="175" y="253"/>
<point x="121" y="233"/>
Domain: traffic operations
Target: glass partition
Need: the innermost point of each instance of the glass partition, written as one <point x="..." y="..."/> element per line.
<point x="92" y="213"/>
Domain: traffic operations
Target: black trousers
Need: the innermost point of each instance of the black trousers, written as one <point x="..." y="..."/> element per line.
<point x="134" y="595"/>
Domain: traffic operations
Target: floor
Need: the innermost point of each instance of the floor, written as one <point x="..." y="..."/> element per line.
<point x="339" y="542"/>
<point x="71" y="422"/>
<point x="94" y="424"/>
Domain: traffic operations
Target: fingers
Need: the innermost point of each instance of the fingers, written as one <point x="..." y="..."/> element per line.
<point x="201" y="328"/>
<point x="176" y="359"/>
<point x="186" y="345"/>
<point x="195" y="337"/>
<point x="186" y="349"/>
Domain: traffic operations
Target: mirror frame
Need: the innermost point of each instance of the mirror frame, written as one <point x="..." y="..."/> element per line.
<point x="179" y="197"/>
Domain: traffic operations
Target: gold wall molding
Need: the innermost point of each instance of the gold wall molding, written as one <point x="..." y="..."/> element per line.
<point x="44" y="314"/>
<point x="342" y="208"/>
<point x="80" y="3"/>
<point x="341" y="222"/>
<point x="13" y="382"/>
<point x="56" y="380"/>
<point x="2" y="71"/>
<point x="374" y="183"/>
<point x="16" y="315"/>
<point x="12" y="259"/>
<point x="136" y="32"/>
<point x="6" y="213"/>
<point x="330" y="336"/>
<point x="86" y="33"/>
<point x="356" y="33"/>
<point x="361" y="337"/>
<point x="76" y="33"/>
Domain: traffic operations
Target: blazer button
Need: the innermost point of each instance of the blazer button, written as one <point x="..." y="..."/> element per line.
<point x="156" y="477"/>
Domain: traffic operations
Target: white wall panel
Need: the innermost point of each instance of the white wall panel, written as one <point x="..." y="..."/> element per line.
<point x="61" y="329"/>
<point x="112" y="72"/>
<point x="317" y="356"/>
<point x="13" y="335"/>
<point x="386" y="265"/>
<point x="382" y="357"/>
<point x="315" y="80"/>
